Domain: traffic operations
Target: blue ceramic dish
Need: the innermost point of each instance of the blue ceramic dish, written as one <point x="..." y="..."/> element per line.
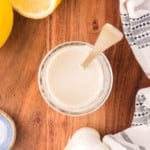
<point x="9" y="126"/>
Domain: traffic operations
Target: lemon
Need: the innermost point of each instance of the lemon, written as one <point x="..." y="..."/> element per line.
<point x="35" y="9"/>
<point x="6" y="20"/>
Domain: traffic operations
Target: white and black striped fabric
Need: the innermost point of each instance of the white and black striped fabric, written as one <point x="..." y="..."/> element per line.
<point x="142" y="111"/>
<point x="135" y="17"/>
<point x="137" y="137"/>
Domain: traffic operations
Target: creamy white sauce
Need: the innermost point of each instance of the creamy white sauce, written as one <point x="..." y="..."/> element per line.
<point x="68" y="82"/>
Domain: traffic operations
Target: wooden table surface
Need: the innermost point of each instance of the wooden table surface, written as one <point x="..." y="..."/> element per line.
<point x="38" y="126"/>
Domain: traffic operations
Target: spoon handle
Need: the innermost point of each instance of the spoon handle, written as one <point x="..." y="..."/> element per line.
<point x="109" y="36"/>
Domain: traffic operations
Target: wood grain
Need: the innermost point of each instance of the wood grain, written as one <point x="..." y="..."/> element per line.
<point x="38" y="126"/>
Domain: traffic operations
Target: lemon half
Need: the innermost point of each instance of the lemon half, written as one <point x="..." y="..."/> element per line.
<point x="35" y="9"/>
<point x="6" y="20"/>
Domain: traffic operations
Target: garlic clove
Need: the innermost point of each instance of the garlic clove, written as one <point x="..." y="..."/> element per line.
<point x="85" y="139"/>
<point x="85" y="131"/>
<point x="86" y="144"/>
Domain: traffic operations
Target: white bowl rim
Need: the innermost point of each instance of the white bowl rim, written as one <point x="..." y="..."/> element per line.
<point x="58" y="110"/>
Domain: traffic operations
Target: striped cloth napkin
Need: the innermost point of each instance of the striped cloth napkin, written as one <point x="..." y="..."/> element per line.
<point x="137" y="137"/>
<point x="135" y="16"/>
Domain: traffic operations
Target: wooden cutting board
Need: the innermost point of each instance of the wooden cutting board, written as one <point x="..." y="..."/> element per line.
<point x="38" y="126"/>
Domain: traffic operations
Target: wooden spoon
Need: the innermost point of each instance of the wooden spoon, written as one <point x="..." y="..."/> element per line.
<point x="109" y="36"/>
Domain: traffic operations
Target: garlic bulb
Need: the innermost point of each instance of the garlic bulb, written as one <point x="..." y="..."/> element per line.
<point x="85" y="139"/>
